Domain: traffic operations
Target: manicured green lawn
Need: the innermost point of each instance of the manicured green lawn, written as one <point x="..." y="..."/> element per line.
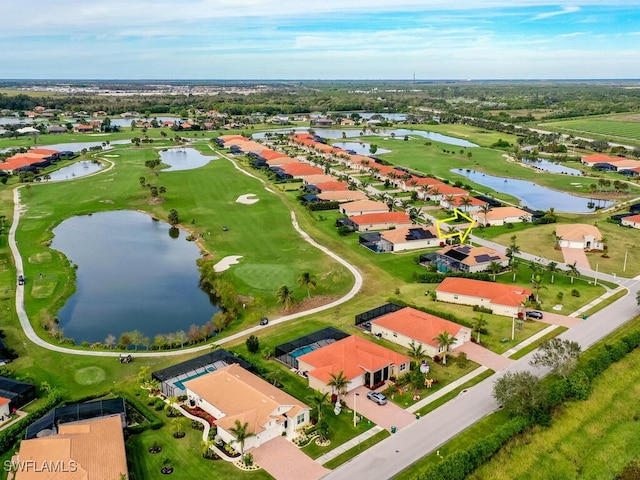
<point x="185" y="455"/>
<point x="586" y="439"/>
<point x="362" y="446"/>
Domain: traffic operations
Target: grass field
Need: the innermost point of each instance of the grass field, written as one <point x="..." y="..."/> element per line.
<point x="619" y="128"/>
<point x="586" y="438"/>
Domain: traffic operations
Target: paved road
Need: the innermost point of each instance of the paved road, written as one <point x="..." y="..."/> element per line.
<point x="422" y="437"/>
<point x="33" y="337"/>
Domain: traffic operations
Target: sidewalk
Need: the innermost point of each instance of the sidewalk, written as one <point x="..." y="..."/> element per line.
<point x="354" y="442"/>
<point x="593" y="303"/>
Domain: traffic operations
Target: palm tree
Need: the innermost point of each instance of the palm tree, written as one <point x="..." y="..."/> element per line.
<point x="478" y="324"/>
<point x="435" y="191"/>
<point x="512" y="250"/>
<point x="285" y="297"/>
<point x="305" y="279"/>
<point x="572" y="271"/>
<point x="240" y="431"/>
<point x="552" y="268"/>
<point x="416" y="352"/>
<point x="536" y="283"/>
<point x="445" y="340"/>
<point x="338" y="383"/>
<point x="465" y="203"/>
<point x="485" y="209"/>
<point x="317" y="402"/>
<point x="450" y="199"/>
<point x="494" y="268"/>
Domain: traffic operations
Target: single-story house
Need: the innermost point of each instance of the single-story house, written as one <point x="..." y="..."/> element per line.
<point x="466" y="203"/>
<point x="223" y="139"/>
<point x="361" y="361"/>
<point x="379" y="221"/>
<point x="632" y="221"/>
<point x="409" y="238"/>
<point x="363" y="207"/>
<point x="232" y="393"/>
<point x="330" y="186"/>
<point x="438" y="192"/>
<point x="300" y="170"/>
<point x="579" y="235"/>
<point x="276" y="162"/>
<point x="592" y="160"/>
<point x="83" y="128"/>
<point x="321" y="178"/>
<point x="501" y="215"/>
<point x="420" y="184"/>
<point x="466" y="258"/>
<point x="409" y="325"/>
<point x="342" y="196"/>
<point x="507" y="300"/>
<point x="86" y="449"/>
<point x="56" y="129"/>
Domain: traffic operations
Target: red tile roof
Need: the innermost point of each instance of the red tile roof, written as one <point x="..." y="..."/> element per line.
<point x="269" y="154"/>
<point x="425" y="181"/>
<point x="457" y="201"/>
<point x="445" y="189"/>
<point x="301" y="169"/>
<point x="601" y="158"/>
<point x="500" y="294"/>
<point x="332" y="186"/>
<point x="632" y="218"/>
<point x="353" y="356"/>
<point x="398" y="218"/>
<point x="417" y="325"/>
<point x="43" y="151"/>
<point x="4" y="401"/>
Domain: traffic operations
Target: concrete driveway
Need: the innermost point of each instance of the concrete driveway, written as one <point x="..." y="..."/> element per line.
<point x="284" y="461"/>
<point x="559" y="319"/>
<point x="484" y="356"/>
<point x="384" y="415"/>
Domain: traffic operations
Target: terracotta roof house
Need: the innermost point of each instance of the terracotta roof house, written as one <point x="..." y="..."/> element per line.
<point x="579" y="235"/>
<point x="444" y="190"/>
<point x="409" y="325"/>
<point x="56" y="129"/>
<point x="417" y="183"/>
<point x="379" y="221"/>
<point x="275" y="162"/>
<point x="269" y="154"/>
<point x="363" y="207"/>
<point x="466" y="258"/>
<point x="232" y="393"/>
<point x="504" y="300"/>
<point x="330" y="186"/>
<point x="85" y="450"/>
<point x="501" y="215"/>
<point x="301" y="170"/>
<point x="83" y="128"/>
<point x="342" y="196"/>
<point x="245" y="147"/>
<point x="596" y="158"/>
<point x="4" y="409"/>
<point x="315" y="179"/>
<point x="361" y="361"/>
<point x="633" y="221"/>
<point x="458" y="201"/>
<point x="407" y="238"/>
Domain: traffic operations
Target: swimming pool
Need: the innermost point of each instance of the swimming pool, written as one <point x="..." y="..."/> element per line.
<point x="301" y="351"/>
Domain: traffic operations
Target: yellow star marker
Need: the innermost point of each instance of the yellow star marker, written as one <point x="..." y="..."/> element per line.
<point x="462" y="235"/>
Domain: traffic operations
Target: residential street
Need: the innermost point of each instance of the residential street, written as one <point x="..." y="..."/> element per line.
<point x="391" y="456"/>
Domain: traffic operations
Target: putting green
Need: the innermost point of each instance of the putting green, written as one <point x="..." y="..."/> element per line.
<point x="89" y="375"/>
<point x="265" y="276"/>
<point x="41" y="257"/>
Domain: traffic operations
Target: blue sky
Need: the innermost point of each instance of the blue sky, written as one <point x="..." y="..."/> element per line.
<point x="319" y="39"/>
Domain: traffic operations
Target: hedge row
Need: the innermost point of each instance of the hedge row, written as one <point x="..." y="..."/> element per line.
<point x="435" y="277"/>
<point x="460" y="464"/>
<point x="154" y="422"/>
<point x="315" y="206"/>
<point x="577" y="386"/>
<point x="9" y="436"/>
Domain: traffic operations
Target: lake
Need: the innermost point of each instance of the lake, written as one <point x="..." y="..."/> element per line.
<point x="75" y="146"/>
<point x="336" y="133"/>
<point x="533" y="195"/>
<point x="132" y="275"/>
<point x="184" y="159"/>
<point x="361" y="148"/>
<point x="552" y="167"/>
<point x="76" y="170"/>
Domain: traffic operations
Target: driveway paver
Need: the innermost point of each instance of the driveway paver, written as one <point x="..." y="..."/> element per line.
<point x="558" y="319"/>
<point x="484" y="356"/>
<point x="575" y="255"/>
<point x="284" y="461"/>
<point x="384" y="415"/>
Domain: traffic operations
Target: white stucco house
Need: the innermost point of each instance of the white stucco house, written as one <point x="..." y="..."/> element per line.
<point x="579" y="235"/>
<point x="633" y="221"/>
<point x="233" y="393"/>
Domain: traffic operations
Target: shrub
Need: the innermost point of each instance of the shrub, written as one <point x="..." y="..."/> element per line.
<point x="575" y="293"/>
<point x="481" y="309"/>
<point x="253" y="344"/>
<point x="318" y="206"/>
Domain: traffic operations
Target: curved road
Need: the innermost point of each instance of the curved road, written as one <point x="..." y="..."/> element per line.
<point x="33" y="336"/>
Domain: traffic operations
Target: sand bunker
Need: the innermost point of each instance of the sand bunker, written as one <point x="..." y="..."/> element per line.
<point x="247" y="199"/>
<point x="226" y="262"/>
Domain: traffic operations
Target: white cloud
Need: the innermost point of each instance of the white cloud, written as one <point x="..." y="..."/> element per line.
<point x="564" y="11"/>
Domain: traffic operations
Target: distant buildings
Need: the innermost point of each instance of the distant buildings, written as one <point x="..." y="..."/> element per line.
<point x="579" y="235"/>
